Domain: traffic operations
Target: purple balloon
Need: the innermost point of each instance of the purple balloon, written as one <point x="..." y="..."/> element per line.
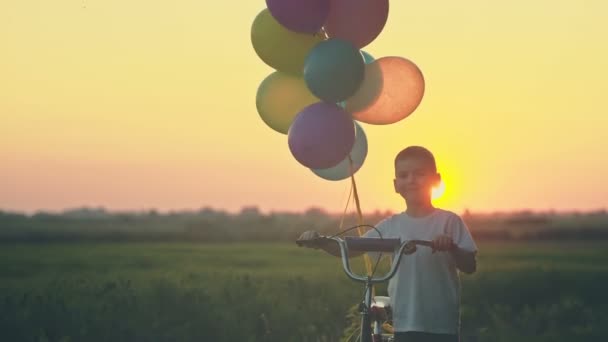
<point x="303" y="16"/>
<point x="321" y="135"/>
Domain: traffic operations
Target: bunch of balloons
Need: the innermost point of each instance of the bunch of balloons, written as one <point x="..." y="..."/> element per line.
<point x="324" y="84"/>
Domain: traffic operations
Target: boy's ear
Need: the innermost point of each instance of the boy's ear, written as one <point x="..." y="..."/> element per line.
<point x="437" y="179"/>
<point x="395" y="185"/>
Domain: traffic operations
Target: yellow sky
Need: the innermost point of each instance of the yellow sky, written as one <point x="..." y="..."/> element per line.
<point x="151" y="104"/>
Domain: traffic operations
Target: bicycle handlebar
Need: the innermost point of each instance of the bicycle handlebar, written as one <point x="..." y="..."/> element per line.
<point x="370" y="245"/>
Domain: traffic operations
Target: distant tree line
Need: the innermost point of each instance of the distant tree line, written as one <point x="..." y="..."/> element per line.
<point x="250" y="224"/>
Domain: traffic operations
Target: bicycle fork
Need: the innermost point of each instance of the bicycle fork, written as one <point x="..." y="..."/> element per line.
<point x="365" y="310"/>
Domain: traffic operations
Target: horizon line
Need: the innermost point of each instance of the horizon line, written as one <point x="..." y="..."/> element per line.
<point x="262" y="211"/>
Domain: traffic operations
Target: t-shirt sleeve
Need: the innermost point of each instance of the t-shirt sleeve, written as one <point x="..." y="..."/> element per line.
<point x="461" y="235"/>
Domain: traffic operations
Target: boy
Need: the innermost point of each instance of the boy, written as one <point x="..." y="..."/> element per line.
<point x="425" y="291"/>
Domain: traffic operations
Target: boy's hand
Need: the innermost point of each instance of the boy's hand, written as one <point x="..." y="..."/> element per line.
<point x="309" y="238"/>
<point x="443" y="243"/>
<point x="312" y="239"/>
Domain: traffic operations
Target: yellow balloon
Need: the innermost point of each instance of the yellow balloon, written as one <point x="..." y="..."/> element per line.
<point x="279" y="47"/>
<point x="280" y="98"/>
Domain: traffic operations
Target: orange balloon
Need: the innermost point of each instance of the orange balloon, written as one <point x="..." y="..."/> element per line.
<point x="392" y="89"/>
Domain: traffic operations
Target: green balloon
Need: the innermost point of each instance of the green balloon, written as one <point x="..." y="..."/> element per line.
<point x="280" y="98"/>
<point x="280" y="48"/>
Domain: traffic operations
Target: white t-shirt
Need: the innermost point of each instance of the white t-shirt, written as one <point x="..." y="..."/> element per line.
<point x="425" y="291"/>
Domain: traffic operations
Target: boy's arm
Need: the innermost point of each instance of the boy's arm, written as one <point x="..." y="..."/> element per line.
<point x="465" y="260"/>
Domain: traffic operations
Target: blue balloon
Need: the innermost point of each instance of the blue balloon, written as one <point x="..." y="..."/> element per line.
<point x="357" y="155"/>
<point x="367" y="58"/>
<point x="334" y="70"/>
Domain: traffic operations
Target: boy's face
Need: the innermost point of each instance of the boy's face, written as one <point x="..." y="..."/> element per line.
<point x="414" y="180"/>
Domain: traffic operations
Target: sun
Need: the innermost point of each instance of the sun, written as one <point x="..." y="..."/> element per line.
<point x="438" y="191"/>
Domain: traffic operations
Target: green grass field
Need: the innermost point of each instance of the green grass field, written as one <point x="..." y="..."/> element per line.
<point x="278" y="292"/>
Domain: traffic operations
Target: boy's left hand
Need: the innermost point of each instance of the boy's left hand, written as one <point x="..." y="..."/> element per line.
<point x="442" y="243"/>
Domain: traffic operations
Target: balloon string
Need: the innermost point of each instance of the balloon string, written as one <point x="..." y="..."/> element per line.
<point x="322" y="33"/>
<point x="350" y="193"/>
<point x="368" y="263"/>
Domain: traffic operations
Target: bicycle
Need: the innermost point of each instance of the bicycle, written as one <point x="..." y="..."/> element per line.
<point x="367" y="310"/>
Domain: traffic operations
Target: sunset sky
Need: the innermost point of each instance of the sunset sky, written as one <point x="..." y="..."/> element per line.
<point x="133" y="105"/>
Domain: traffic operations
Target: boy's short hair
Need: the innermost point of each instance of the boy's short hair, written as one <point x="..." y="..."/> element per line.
<point x="417" y="152"/>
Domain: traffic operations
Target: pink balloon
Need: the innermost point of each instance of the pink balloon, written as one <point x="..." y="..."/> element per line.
<point x="358" y="21"/>
<point x="321" y="135"/>
<point x="392" y="89"/>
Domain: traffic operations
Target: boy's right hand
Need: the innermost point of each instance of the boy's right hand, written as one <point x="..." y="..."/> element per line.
<point x="310" y="239"/>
